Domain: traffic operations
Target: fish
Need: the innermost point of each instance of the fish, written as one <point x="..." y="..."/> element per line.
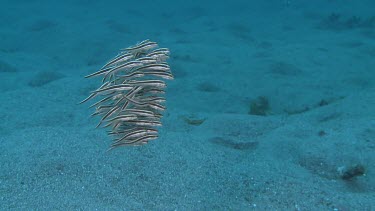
<point x="139" y="141"/>
<point x="154" y="99"/>
<point x="164" y="75"/>
<point x="141" y="47"/>
<point x="138" y="74"/>
<point x="147" y="60"/>
<point x="124" y="117"/>
<point x="136" y="134"/>
<point x="100" y="72"/>
<point x="126" y="66"/>
<point x="118" y="59"/>
<point x="130" y="99"/>
<point x="120" y="87"/>
<point x="92" y="95"/>
<point x="108" y="114"/>
<point x="155" y="83"/>
<point x="141" y="112"/>
<point x="159" y="56"/>
<point x="159" y="67"/>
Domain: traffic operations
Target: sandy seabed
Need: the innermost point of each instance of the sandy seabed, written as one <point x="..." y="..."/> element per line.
<point x="270" y="102"/>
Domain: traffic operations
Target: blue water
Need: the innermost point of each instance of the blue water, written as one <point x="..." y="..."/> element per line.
<point x="271" y="106"/>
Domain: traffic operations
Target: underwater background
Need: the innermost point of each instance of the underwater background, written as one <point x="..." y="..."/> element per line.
<point x="271" y="108"/>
